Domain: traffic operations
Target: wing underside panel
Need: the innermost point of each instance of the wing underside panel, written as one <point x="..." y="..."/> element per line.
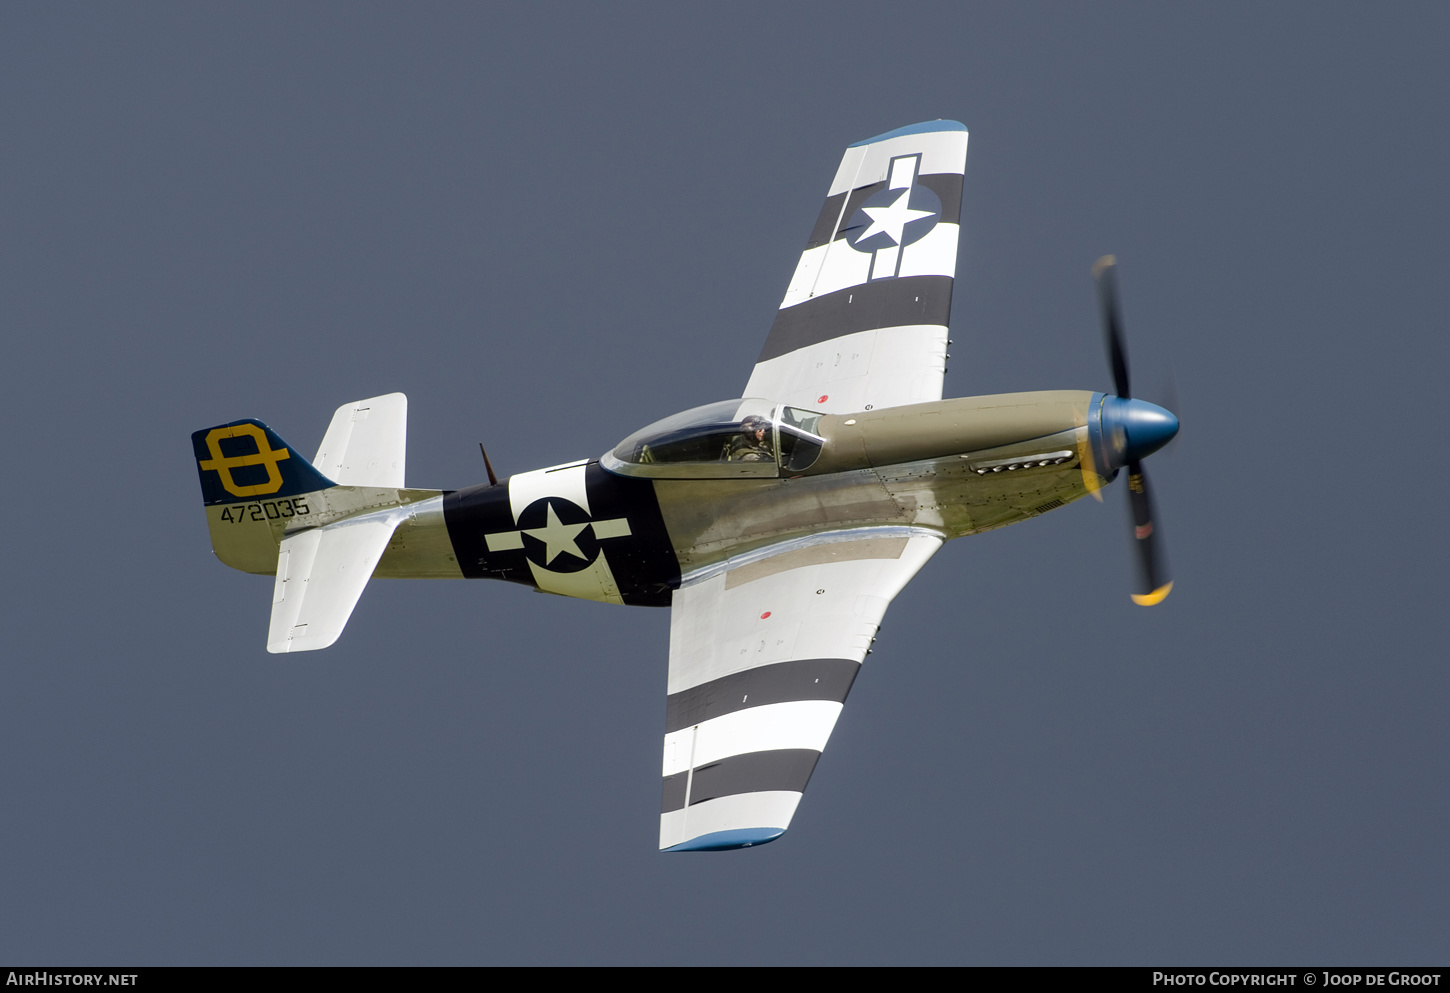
<point x="762" y="656"/>
<point x="875" y="280"/>
<point x="886" y="367"/>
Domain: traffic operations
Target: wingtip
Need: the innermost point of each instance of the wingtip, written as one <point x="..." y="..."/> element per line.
<point x="724" y="841"/>
<point x="925" y="127"/>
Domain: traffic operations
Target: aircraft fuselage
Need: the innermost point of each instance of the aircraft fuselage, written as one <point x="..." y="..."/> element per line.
<point x="953" y="467"/>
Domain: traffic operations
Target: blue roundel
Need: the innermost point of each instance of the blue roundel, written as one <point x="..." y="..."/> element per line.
<point x="893" y="217"/>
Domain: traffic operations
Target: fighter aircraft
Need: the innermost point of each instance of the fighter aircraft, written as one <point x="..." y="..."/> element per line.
<point x="776" y="527"/>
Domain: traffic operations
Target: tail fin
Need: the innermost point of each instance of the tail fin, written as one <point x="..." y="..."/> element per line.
<point x="253" y="484"/>
<point x="245" y="460"/>
<point x="366" y="444"/>
<point x="270" y="511"/>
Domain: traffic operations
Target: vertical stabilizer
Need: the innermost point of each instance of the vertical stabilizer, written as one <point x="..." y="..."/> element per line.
<point x="255" y="486"/>
<point x="319" y="529"/>
<point x="366" y="443"/>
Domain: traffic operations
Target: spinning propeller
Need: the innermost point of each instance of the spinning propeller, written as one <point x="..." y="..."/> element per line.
<point x="1122" y="434"/>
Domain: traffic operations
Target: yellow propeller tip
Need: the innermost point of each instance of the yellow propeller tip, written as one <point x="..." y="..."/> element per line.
<point x="1157" y="596"/>
<point x="1103" y="263"/>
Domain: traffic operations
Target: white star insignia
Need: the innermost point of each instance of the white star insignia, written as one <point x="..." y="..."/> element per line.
<point x="891" y="219"/>
<point x="557" y="536"/>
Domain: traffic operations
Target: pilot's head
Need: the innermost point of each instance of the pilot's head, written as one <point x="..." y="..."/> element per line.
<point x="755" y="427"/>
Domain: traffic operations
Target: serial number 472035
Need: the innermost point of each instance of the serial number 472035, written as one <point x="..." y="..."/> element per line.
<point x="270" y="510"/>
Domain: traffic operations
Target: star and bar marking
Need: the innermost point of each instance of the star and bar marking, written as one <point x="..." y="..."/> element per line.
<point x="558" y="537"/>
<point x="887" y="222"/>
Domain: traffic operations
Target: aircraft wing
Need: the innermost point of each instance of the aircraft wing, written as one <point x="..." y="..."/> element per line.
<point x="864" y="322"/>
<point x="762" y="654"/>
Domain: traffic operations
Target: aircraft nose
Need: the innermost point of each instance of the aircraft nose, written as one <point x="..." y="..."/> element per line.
<point x="1143" y="427"/>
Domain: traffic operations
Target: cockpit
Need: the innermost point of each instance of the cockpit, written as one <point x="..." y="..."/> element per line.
<point x="732" y="439"/>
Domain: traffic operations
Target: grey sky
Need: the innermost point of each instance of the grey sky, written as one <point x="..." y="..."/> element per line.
<point x="551" y="224"/>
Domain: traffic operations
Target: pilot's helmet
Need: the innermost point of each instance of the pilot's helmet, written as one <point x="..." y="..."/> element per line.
<point x="753" y="423"/>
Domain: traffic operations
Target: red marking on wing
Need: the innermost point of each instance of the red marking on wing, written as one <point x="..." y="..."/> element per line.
<point x="765" y="615"/>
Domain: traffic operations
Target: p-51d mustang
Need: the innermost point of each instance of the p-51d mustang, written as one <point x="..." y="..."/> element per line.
<point x="777" y="527"/>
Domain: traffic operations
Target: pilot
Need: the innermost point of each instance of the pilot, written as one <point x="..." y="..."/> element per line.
<point x="752" y="444"/>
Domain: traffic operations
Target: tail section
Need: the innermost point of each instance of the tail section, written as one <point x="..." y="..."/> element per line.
<point x="271" y="511"/>
<point x="254" y="485"/>
<point x="321" y="573"/>
<point x="245" y="460"/>
<point x="367" y="442"/>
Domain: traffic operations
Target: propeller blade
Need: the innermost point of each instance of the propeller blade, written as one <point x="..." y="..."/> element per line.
<point x="1105" y="272"/>
<point x="1145" y="428"/>
<point x="1153" y="578"/>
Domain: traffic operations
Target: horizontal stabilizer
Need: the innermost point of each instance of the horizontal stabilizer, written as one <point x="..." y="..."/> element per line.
<point x="321" y="574"/>
<point x="366" y="443"/>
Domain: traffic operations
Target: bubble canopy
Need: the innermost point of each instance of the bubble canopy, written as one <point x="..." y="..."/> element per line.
<point x="731" y="439"/>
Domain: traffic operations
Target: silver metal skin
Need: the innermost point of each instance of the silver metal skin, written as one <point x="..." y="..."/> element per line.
<point x="419" y="550"/>
<point x="956" y="467"/>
